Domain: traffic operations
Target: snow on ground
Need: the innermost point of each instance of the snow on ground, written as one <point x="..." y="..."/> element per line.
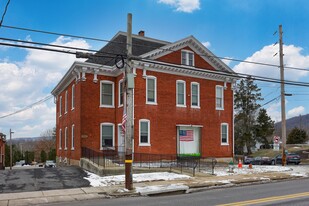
<point x="221" y="171"/>
<point x="150" y="189"/>
<point x="97" y="181"/>
<point x="298" y="170"/>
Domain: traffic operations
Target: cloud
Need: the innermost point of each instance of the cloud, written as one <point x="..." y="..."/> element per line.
<point x="292" y="58"/>
<point x="296" y="112"/>
<point x="187" y="6"/>
<point x="206" y="44"/>
<point x="227" y="61"/>
<point x="273" y="111"/>
<point x="26" y="82"/>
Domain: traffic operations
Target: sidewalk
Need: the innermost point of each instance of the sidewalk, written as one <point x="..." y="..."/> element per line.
<point x="78" y="194"/>
<point x="202" y="181"/>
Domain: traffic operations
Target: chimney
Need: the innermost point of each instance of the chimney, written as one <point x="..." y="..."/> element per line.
<point x="141" y="33"/>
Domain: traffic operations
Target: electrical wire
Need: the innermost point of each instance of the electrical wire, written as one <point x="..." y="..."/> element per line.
<point x="233" y="75"/>
<point x="162" y="49"/>
<point x="5" y="10"/>
<point x="29" y="106"/>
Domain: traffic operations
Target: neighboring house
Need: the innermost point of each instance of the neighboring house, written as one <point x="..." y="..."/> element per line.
<point x="2" y="150"/>
<point x="183" y="101"/>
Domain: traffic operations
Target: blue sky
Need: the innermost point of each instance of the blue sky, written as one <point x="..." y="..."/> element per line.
<point x="238" y="29"/>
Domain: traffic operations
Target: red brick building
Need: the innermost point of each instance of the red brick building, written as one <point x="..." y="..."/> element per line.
<point x="183" y="101"/>
<point x="2" y="150"/>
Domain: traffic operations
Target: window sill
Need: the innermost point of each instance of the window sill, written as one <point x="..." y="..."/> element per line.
<point x="72" y="149"/>
<point x="107" y="106"/>
<point x="183" y="106"/>
<point x="107" y="148"/>
<point x="144" y="145"/>
<point x="224" y="144"/>
<point x="220" y="109"/>
<point x="152" y="103"/>
<point x="121" y="105"/>
<point x="60" y="148"/>
<point x="195" y="107"/>
<point x="65" y="148"/>
<point x="72" y="108"/>
<point x="66" y="112"/>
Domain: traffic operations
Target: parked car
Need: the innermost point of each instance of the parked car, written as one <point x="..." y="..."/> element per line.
<point x="50" y="163"/>
<point x="290" y="158"/>
<point x="248" y="160"/>
<point x="262" y="161"/>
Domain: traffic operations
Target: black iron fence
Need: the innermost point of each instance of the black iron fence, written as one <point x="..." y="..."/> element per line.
<point x="115" y="157"/>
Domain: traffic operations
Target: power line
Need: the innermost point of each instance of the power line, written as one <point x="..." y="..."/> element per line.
<point x="54" y="45"/>
<point x="162" y="49"/>
<point x="5" y="10"/>
<point x="235" y="75"/>
<point x="52" y="50"/>
<point x="28" y="107"/>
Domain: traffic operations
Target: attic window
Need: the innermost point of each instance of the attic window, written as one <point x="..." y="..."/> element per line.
<point x="187" y="58"/>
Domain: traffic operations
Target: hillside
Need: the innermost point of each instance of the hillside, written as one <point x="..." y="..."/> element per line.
<point x="301" y="121"/>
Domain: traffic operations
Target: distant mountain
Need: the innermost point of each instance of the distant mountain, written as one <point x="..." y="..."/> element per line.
<point x="301" y="121"/>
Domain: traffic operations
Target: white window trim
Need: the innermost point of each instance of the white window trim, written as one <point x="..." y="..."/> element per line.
<point x="155" y="90"/>
<point x="60" y="106"/>
<point x="113" y="93"/>
<point x="139" y="133"/>
<point x="60" y="139"/>
<point x="227" y="135"/>
<point x="119" y="96"/>
<point x="187" y="57"/>
<point x="66" y="138"/>
<point x="181" y="105"/>
<point x="198" y="95"/>
<point x="66" y="102"/>
<point x="72" y="137"/>
<point x="73" y="97"/>
<point x="222" y="88"/>
<point x="107" y="124"/>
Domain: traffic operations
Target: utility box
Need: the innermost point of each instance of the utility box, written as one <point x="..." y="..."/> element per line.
<point x="130" y="79"/>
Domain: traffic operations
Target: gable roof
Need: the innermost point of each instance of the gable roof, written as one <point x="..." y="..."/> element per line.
<point x="117" y="45"/>
<point x="196" y="46"/>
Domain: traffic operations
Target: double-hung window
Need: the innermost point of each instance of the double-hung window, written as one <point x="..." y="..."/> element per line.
<point x="60" y="139"/>
<point x="195" y="95"/>
<point x="73" y="96"/>
<point x="187" y="58"/>
<point x="120" y="93"/>
<point x="60" y="106"/>
<point x="219" y="98"/>
<point x="144" y="132"/>
<point x="224" y="134"/>
<point x="107" y="94"/>
<point x="107" y="135"/>
<point x="66" y="138"/>
<point x="180" y="93"/>
<point x="73" y="138"/>
<point x="151" y="90"/>
<point x="66" y="102"/>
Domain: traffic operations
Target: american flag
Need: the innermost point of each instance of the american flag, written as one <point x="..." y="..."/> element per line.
<point x="186" y="135"/>
<point x="124" y="116"/>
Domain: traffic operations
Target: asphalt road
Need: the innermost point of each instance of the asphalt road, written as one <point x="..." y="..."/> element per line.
<point x="36" y="179"/>
<point x="294" y="192"/>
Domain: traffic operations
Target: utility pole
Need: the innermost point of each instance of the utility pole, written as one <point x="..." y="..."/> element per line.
<point x="283" y="120"/>
<point x="129" y="86"/>
<point x="11" y="149"/>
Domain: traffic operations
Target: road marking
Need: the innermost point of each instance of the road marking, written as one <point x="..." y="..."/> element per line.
<point x="268" y="199"/>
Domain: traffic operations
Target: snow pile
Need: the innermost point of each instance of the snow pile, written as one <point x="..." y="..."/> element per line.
<point x="167" y="188"/>
<point x="255" y="170"/>
<point x="97" y="181"/>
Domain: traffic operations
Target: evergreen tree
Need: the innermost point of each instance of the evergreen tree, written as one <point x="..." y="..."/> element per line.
<point x="297" y="136"/>
<point x="265" y="127"/>
<point x="246" y="107"/>
<point x="43" y="156"/>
